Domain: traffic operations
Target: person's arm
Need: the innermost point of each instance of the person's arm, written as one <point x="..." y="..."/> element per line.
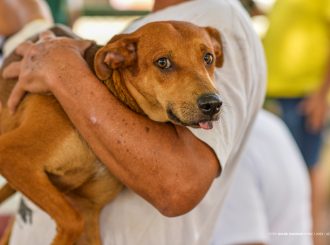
<point x="315" y="106"/>
<point x="165" y="164"/>
<point x="325" y="86"/>
<point x="14" y="14"/>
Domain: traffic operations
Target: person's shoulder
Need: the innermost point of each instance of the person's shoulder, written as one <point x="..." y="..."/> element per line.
<point x="218" y="6"/>
<point x="222" y="12"/>
<point x="224" y="15"/>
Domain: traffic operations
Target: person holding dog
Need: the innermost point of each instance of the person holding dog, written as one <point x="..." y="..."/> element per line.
<point x="169" y="170"/>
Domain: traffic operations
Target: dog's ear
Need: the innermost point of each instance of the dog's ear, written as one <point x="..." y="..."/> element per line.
<point x="217" y="45"/>
<point x="119" y="52"/>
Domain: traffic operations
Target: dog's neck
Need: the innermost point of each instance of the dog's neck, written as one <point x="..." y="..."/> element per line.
<point x="115" y="83"/>
<point x="118" y="88"/>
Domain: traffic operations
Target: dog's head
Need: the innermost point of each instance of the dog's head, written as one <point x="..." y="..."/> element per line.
<point x="168" y="67"/>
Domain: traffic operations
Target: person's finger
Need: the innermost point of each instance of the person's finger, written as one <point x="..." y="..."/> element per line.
<point x="12" y="70"/>
<point x="23" y="48"/>
<point x="46" y="35"/>
<point x="15" y="97"/>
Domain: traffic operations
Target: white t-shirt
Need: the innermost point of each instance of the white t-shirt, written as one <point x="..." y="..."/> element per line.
<point x="269" y="199"/>
<point x="241" y="81"/>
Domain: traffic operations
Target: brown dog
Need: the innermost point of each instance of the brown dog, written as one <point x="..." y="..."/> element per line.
<point x="44" y="157"/>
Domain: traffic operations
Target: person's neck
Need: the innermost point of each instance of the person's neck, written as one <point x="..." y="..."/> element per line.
<point x="161" y="4"/>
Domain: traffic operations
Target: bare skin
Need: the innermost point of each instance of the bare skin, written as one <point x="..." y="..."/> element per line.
<point x="25" y="11"/>
<point x="316" y="107"/>
<point x="165" y="164"/>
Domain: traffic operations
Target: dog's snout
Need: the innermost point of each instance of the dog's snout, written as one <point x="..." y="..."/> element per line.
<point x="209" y="104"/>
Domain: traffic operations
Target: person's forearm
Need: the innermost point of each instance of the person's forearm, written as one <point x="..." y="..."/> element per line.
<point x="14" y="14"/>
<point x="163" y="163"/>
<point x="9" y="23"/>
<point x="325" y="86"/>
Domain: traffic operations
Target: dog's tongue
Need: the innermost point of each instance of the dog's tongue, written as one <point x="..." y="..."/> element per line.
<point x="206" y="125"/>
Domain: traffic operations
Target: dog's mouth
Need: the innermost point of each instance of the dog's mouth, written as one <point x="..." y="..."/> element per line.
<point x="203" y="123"/>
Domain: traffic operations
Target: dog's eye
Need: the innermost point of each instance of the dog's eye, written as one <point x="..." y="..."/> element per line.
<point x="164" y="63"/>
<point x="208" y="58"/>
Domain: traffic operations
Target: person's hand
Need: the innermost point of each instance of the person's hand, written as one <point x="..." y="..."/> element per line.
<point x="42" y="62"/>
<point x="315" y="108"/>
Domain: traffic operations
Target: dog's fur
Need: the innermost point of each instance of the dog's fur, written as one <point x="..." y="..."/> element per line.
<point x="43" y="156"/>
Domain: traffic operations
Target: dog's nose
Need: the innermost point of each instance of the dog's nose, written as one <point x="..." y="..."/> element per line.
<point x="209" y="104"/>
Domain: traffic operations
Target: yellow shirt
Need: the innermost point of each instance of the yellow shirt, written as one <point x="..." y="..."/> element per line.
<point x="297" y="46"/>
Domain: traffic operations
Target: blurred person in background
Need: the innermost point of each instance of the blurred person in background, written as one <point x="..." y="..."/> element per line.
<point x="12" y="19"/>
<point x="268" y="201"/>
<point x="34" y="10"/>
<point x="297" y="47"/>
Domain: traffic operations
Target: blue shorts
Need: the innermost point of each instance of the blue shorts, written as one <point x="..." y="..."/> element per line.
<point x="309" y="143"/>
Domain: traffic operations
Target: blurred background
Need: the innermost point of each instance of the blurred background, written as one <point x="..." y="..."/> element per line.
<point x="99" y="20"/>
